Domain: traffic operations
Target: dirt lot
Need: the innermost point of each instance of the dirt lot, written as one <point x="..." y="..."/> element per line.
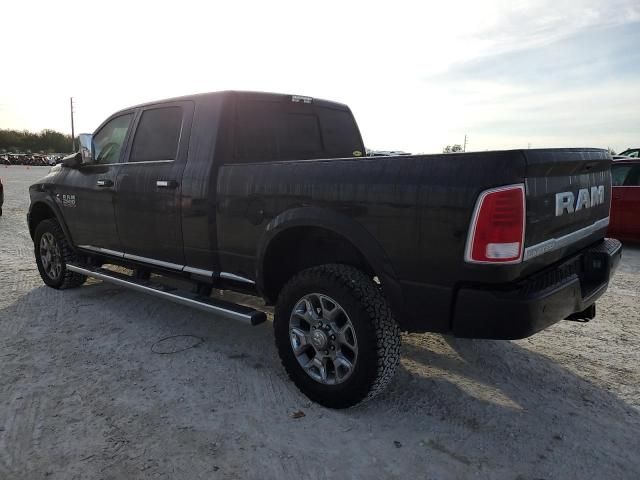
<point x="82" y="394"/>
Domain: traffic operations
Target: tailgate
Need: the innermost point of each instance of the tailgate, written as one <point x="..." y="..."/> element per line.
<point x="568" y="198"/>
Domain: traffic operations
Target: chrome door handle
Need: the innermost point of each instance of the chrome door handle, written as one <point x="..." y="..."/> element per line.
<point x="104" y="183"/>
<point x="166" y="184"/>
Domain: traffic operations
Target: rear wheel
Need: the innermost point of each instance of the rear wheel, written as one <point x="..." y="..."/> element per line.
<point x="336" y="335"/>
<point x="53" y="252"/>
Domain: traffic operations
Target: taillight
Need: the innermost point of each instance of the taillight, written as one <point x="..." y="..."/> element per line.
<point x="496" y="233"/>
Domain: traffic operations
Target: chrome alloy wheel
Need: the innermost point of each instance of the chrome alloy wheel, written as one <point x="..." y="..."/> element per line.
<point x="323" y="339"/>
<point x="50" y="256"/>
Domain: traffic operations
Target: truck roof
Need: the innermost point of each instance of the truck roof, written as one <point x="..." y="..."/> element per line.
<point x="248" y="95"/>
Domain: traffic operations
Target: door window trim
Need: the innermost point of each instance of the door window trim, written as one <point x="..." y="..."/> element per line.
<point x="188" y="110"/>
<point x="146" y="162"/>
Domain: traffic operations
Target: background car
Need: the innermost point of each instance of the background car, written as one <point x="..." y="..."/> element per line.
<point x="624" y="222"/>
<point x="631" y="152"/>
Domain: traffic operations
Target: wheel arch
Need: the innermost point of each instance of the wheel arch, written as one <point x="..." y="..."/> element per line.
<point x="43" y="209"/>
<point x="336" y="239"/>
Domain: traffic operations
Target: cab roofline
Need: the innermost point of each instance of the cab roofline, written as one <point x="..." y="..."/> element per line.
<point x="238" y="93"/>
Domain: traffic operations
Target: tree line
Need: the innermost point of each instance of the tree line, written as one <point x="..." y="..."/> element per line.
<point x="46" y="141"/>
<point x="452" y="148"/>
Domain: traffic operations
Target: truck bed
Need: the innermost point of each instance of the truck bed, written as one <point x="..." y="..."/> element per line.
<point x="415" y="211"/>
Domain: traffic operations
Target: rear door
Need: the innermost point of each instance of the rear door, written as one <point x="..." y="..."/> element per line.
<point x="148" y="212"/>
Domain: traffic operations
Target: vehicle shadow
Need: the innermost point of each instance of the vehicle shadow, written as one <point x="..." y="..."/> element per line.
<point x="631" y="257"/>
<point x="494" y="408"/>
<point x="517" y="407"/>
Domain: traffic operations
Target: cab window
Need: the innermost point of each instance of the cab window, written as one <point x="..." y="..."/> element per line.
<point x="633" y="177"/>
<point x="157" y="135"/>
<point x="619" y="174"/>
<point x="271" y="130"/>
<point x="108" y="142"/>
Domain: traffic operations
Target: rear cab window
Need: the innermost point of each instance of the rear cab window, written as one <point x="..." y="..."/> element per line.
<point x="280" y="129"/>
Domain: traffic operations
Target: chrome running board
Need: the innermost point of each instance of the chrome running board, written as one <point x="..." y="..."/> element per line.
<point x="234" y="311"/>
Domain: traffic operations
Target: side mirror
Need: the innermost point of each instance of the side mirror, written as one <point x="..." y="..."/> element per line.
<point x="86" y="147"/>
<point x="72" y="161"/>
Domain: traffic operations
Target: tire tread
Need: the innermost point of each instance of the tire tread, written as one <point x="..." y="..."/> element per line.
<point x="369" y="295"/>
<point x="69" y="279"/>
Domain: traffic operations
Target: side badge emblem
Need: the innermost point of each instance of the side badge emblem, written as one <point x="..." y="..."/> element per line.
<point x="68" y="200"/>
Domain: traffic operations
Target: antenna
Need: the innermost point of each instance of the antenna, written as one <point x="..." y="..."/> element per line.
<point x="73" y="133"/>
<point x="464" y="148"/>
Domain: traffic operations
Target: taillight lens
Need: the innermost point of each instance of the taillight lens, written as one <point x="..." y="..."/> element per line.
<point x="496" y="233"/>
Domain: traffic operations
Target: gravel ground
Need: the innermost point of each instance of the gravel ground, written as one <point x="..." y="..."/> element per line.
<point x="83" y="395"/>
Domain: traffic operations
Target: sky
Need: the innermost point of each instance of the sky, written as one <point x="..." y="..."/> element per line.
<point x="418" y="75"/>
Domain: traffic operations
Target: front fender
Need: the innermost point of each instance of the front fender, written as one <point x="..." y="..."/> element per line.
<point x="40" y="198"/>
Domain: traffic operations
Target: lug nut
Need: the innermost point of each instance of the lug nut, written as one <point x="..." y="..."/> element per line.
<point x="319" y="324"/>
<point x="333" y="337"/>
<point x="326" y="352"/>
<point x="332" y="347"/>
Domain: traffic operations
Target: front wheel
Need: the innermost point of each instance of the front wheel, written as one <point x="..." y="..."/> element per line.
<point x="52" y="252"/>
<point x="336" y="335"/>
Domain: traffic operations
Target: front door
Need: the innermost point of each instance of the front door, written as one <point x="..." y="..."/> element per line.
<point x="148" y="212"/>
<point x="87" y="192"/>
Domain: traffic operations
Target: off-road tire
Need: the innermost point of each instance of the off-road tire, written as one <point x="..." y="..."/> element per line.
<point x="67" y="278"/>
<point x="377" y="333"/>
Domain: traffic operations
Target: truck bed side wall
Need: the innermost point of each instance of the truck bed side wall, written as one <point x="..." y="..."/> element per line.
<point x="417" y="209"/>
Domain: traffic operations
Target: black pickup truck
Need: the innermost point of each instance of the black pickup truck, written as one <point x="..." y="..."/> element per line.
<point x="271" y="195"/>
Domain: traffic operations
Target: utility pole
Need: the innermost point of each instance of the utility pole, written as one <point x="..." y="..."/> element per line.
<point x="73" y="132"/>
<point x="464" y="148"/>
